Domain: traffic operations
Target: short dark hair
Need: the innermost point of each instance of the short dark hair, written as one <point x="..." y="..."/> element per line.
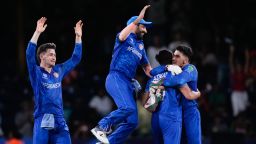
<point x="185" y="49"/>
<point x="164" y="57"/>
<point x="44" y="48"/>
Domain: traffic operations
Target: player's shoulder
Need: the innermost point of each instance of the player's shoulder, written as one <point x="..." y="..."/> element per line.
<point x="190" y="68"/>
<point x="37" y="68"/>
<point x="57" y="67"/>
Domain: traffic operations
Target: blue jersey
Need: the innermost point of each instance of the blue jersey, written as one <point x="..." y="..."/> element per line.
<point x="127" y="55"/>
<point x="188" y="76"/>
<point x="47" y="86"/>
<point x="171" y="102"/>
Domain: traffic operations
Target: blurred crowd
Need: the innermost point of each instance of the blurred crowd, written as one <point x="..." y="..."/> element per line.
<point x="221" y="35"/>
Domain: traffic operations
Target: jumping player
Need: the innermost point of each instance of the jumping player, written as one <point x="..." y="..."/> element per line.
<point x="128" y="54"/>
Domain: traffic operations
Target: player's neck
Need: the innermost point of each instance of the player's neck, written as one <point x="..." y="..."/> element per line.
<point x="46" y="68"/>
<point x="184" y="65"/>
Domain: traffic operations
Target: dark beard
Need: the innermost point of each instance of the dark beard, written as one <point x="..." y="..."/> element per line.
<point x="139" y="36"/>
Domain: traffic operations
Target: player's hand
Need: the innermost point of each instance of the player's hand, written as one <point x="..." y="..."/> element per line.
<point x="78" y="28"/>
<point x="161" y="87"/>
<point x="136" y="85"/>
<point x="174" y="69"/>
<point x="41" y="26"/>
<point x="142" y="13"/>
<point x="197" y="93"/>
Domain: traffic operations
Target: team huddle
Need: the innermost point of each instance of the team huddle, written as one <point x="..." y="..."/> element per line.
<point x="170" y="93"/>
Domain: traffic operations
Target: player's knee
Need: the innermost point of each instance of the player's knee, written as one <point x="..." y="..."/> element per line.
<point x="132" y="119"/>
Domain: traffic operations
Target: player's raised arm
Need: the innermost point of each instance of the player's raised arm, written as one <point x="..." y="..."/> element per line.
<point x="132" y="26"/>
<point x="31" y="48"/>
<point x="77" y="53"/>
<point x="41" y="26"/>
<point x="78" y="31"/>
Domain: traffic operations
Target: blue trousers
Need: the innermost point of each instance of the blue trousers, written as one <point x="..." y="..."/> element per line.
<point x="125" y="117"/>
<point x="191" y="126"/>
<point x="166" y="128"/>
<point x="59" y="135"/>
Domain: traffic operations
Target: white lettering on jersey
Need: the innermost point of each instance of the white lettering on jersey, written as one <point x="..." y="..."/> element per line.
<point x="133" y="50"/>
<point x="51" y="86"/>
<point x="160" y="76"/>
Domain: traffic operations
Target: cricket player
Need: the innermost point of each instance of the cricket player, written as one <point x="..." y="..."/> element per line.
<point x="167" y="119"/>
<point x="49" y="124"/>
<point x="128" y="54"/>
<point x="190" y="113"/>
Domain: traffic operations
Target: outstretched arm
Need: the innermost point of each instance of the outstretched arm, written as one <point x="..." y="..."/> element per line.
<point x="131" y="27"/>
<point x="77" y="53"/>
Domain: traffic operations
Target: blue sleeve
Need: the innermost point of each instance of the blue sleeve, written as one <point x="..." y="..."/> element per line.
<point x="31" y="60"/>
<point x="180" y="79"/>
<point x="117" y="38"/>
<point x="147" y="85"/>
<point x="144" y="59"/>
<point x="68" y="65"/>
<point x="157" y="70"/>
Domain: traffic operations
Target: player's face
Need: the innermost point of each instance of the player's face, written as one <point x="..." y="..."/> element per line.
<point x="49" y="58"/>
<point x="141" y="31"/>
<point x="179" y="58"/>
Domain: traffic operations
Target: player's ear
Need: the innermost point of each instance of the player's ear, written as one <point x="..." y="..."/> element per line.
<point x="41" y="55"/>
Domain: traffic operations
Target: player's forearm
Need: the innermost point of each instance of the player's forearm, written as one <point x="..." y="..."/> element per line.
<point x="188" y="94"/>
<point x="147" y="68"/>
<point x="177" y="80"/>
<point x="35" y="37"/>
<point x="78" y="39"/>
<point x="126" y="31"/>
<point x="157" y="70"/>
<point x="77" y="54"/>
<point x="193" y="95"/>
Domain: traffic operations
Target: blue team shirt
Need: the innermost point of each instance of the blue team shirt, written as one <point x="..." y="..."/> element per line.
<point x="188" y="76"/>
<point x="171" y="101"/>
<point x="127" y="55"/>
<point x="47" y="86"/>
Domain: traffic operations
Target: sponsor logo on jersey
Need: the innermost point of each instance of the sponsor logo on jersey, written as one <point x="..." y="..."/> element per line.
<point x="56" y="75"/>
<point x="51" y="85"/>
<point x="45" y="76"/>
<point x="141" y="46"/>
<point x="190" y="69"/>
